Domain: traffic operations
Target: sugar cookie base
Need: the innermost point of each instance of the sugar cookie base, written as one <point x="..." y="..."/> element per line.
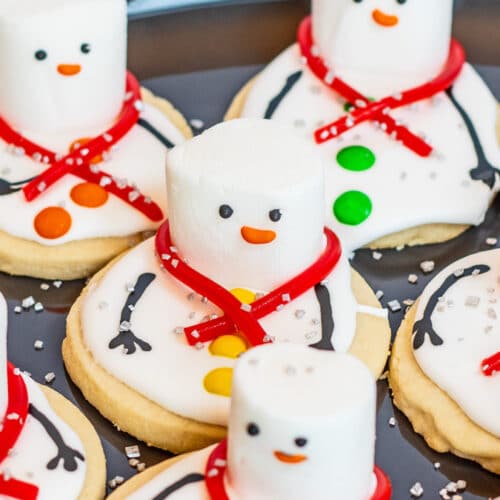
<point x="155" y="425"/>
<point x="433" y="414"/>
<point x="75" y="259"/>
<point x="94" y="486"/>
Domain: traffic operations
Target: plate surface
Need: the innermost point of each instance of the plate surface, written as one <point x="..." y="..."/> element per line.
<point x="402" y="454"/>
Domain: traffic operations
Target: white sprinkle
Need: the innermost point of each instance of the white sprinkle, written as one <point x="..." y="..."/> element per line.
<point x="50" y="377"/>
<point x="286" y="297"/>
<point x="44" y="286"/>
<point x="213" y="472"/>
<point x="38" y="345"/>
<point x="199" y="346"/>
<point x="84" y="151"/>
<point x="18" y="309"/>
<point x="133" y="196"/>
<point x="392" y="422"/>
<point x="219" y="462"/>
<point x="28" y="302"/>
<point x="437" y="465"/>
<point x="125" y="326"/>
<point x="42" y="186"/>
<point x="132" y="451"/>
<point x="102" y="305"/>
<point x="413" y="279"/>
<point x="246" y="307"/>
<point x="458" y="273"/>
<point x="492" y="313"/>
<point x="195" y="334"/>
<point x="329" y="77"/>
<point x="178" y="330"/>
<point x="377" y="255"/>
<point x="300" y="313"/>
<point x="196" y="123"/>
<point x="461" y="484"/>
<point x="451" y="487"/>
<point x="427" y="266"/>
<point x="379" y="294"/>
<point x="333" y="130"/>
<point x="38" y="307"/>
<point x="416" y="490"/>
<point x="491" y="241"/>
<point x="108" y="137"/>
<point x="394" y="305"/>
<point x="57" y="283"/>
<point x="133" y="462"/>
<point x="138" y="105"/>
<point x="141" y="466"/>
<point x="105" y="181"/>
<point x="175" y="263"/>
<point x="408" y="302"/>
<point x="472" y="301"/>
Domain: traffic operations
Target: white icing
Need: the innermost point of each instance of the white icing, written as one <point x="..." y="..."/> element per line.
<point x="383" y="59"/>
<point x="471" y="333"/>
<point x="59" y="110"/>
<point x="139" y="158"/>
<point x="312" y="405"/>
<point x="57" y="103"/>
<point x="254" y="166"/>
<point x="29" y="458"/>
<point x="165" y="306"/>
<point x="406" y="190"/>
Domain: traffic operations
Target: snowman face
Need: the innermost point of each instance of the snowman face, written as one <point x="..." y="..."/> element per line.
<point x="246" y="213"/>
<point x="294" y="431"/>
<point x="65" y="65"/>
<point x="403" y="39"/>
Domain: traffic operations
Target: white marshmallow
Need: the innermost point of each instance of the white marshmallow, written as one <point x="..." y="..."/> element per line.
<point x="34" y="94"/>
<point x="380" y="59"/>
<point x="3" y="357"/>
<point x="289" y="392"/>
<point x="254" y="167"/>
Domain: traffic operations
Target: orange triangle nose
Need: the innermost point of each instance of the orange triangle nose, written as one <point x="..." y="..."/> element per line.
<point x="69" y="69"/>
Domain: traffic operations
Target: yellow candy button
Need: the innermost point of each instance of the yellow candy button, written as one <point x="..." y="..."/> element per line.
<point x="219" y="382"/>
<point x="229" y="346"/>
<point x="243" y="295"/>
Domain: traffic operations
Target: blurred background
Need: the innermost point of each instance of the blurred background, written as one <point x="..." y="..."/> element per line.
<point x="242" y="32"/>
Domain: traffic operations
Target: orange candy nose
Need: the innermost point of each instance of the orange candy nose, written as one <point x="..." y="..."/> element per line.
<point x="69" y="69"/>
<point x="289" y="459"/>
<point x="384" y="19"/>
<point x="257" y="236"/>
<point x="52" y="223"/>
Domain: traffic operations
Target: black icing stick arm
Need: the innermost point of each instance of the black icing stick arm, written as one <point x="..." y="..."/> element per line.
<point x="126" y="337"/>
<point x="188" y="479"/>
<point x="327" y="322"/>
<point x="275" y="103"/>
<point x="155" y="133"/>
<point x="67" y="455"/>
<point x="424" y="327"/>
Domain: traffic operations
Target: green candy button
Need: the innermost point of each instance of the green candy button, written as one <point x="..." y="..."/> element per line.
<point x="352" y="208"/>
<point x="356" y="158"/>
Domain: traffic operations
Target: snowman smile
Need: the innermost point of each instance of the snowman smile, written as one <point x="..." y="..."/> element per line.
<point x="69" y="69"/>
<point x="257" y="236"/>
<point x="289" y="459"/>
<point x="383" y="19"/>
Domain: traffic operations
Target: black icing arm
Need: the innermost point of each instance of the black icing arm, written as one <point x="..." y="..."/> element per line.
<point x="277" y="100"/>
<point x="188" y="479"/>
<point x="327" y="323"/>
<point x="7" y="187"/>
<point x="156" y="133"/>
<point x="68" y="455"/>
<point x="126" y="337"/>
<point x="424" y="327"/>
<point x="485" y="171"/>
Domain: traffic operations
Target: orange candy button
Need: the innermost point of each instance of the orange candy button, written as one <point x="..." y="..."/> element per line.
<point x="90" y="195"/>
<point x="52" y="223"/>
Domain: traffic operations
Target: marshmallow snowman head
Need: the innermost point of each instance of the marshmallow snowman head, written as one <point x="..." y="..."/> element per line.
<point x="63" y="64"/>
<point x="246" y="203"/>
<point x="302" y="425"/>
<point x="383" y="46"/>
<point x="3" y="357"/>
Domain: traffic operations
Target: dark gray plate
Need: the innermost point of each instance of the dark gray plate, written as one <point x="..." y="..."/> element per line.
<point x="400" y="452"/>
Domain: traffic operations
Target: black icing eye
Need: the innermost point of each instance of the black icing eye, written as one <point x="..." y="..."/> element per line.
<point x="300" y="442"/>
<point x="401" y="1"/>
<point x="358" y="1"/>
<point x="253" y="429"/>
<point x="275" y="215"/>
<point x="40" y="55"/>
<point x="85" y="48"/>
<point x="225" y="211"/>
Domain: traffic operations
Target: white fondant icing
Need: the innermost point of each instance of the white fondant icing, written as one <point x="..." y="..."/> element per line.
<point x="379" y="58"/>
<point x="406" y="190"/>
<point x="139" y="158"/>
<point x="166" y="305"/>
<point x="34" y="450"/>
<point x="255" y="167"/>
<point x="34" y="94"/>
<point x="466" y="320"/>
<point x="313" y="406"/>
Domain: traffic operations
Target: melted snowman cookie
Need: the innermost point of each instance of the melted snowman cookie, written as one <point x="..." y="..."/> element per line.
<point x="82" y="149"/>
<point x="380" y="191"/>
<point x="249" y="263"/>
<point x="440" y="369"/>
